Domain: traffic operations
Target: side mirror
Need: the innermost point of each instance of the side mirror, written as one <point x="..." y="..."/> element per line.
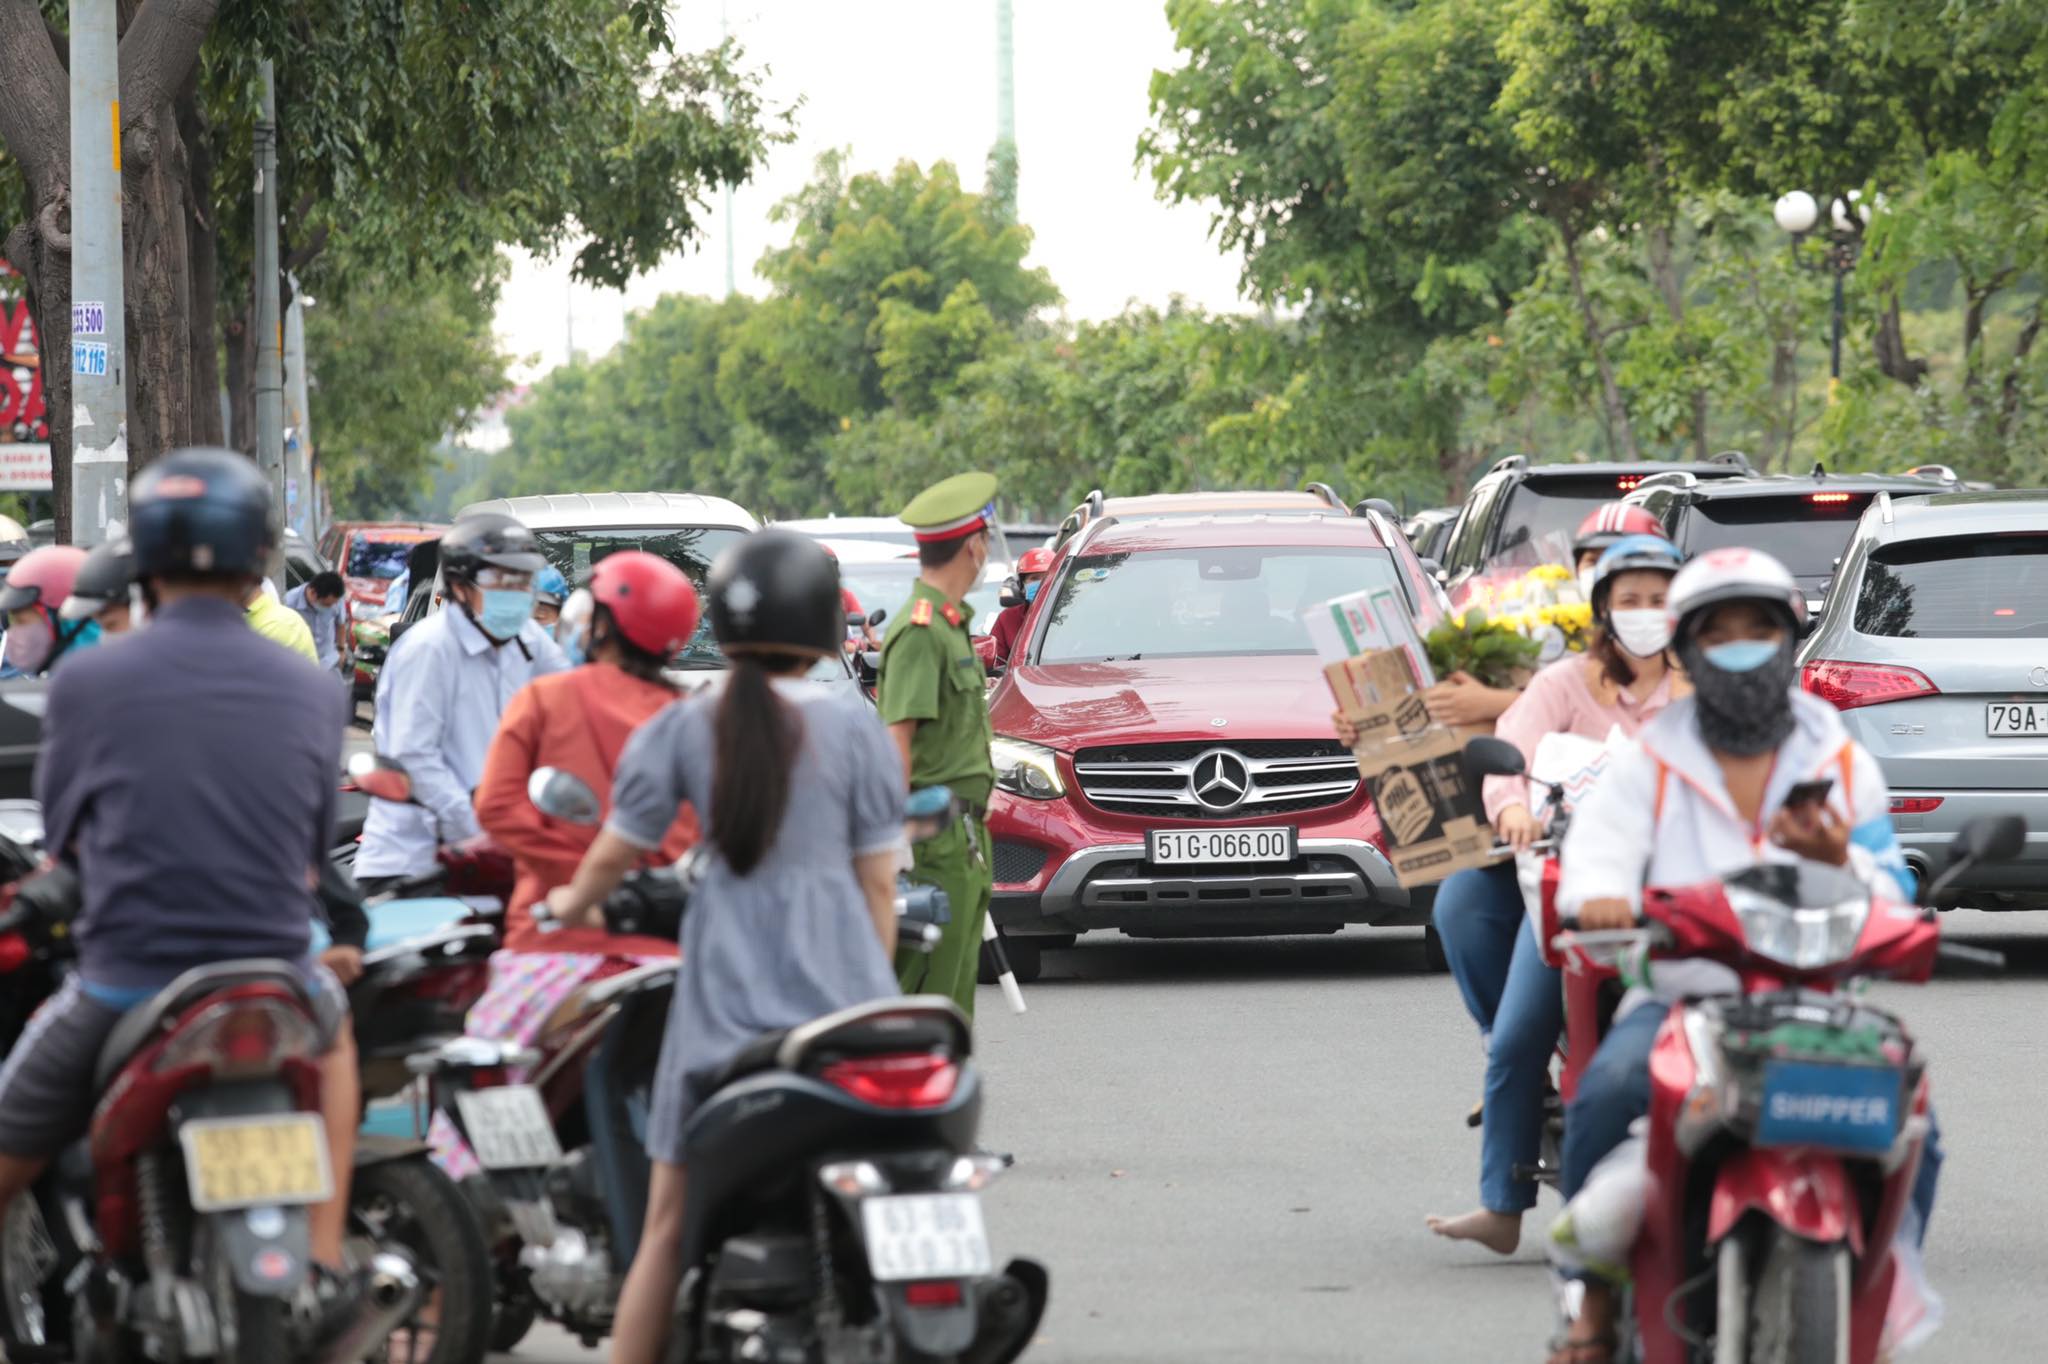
<point x="876" y="617"/>
<point x="1434" y="569"/>
<point x="398" y="627"/>
<point x="1486" y="756"/>
<point x="1990" y="838"/>
<point x="868" y="662"/>
<point x="563" y="795"/>
<point x="855" y="620"/>
<point x="1012" y="593"/>
<point x="380" y="777"/>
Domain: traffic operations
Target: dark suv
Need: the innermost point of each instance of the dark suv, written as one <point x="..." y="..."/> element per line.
<point x="1804" y="520"/>
<point x="1516" y="503"/>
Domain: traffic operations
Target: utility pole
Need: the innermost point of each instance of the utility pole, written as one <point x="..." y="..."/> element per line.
<point x="269" y="385"/>
<point x="1002" y="161"/>
<point x="298" y="417"/>
<point x="99" y="335"/>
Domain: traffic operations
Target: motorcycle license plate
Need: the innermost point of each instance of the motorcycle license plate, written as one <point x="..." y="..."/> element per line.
<point x="1841" y="1108"/>
<point x="1187" y="847"/>
<point x="925" y="1236"/>
<point x="508" y="1127"/>
<point x="249" y="1162"/>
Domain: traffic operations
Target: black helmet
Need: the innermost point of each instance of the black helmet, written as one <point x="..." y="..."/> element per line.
<point x="200" y="511"/>
<point x="103" y="580"/>
<point x="776" y="590"/>
<point x="489" y="539"/>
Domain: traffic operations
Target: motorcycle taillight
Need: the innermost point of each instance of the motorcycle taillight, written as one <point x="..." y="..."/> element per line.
<point x="902" y="1080"/>
<point x="457" y="987"/>
<point x="240" y="1037"/>
<point x="14" y="951"/>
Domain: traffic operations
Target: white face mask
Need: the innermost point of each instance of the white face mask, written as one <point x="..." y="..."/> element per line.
<point x="1585" y="584"/>
<point x="1642" y="633"/>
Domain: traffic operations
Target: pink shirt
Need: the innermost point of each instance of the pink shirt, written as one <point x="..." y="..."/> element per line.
<point x="1560" y="699"/>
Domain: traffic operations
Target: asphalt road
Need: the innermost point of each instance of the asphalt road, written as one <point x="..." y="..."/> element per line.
<point x="1226" y="1149"/>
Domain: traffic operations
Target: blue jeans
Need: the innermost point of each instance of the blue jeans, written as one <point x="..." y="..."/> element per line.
<point x="1615" y="1091"/>
<point x="1518" y="1003"/>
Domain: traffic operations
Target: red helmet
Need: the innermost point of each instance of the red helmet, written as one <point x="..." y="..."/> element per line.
<point x="1034" y="561"/>
<point x="42" y="577"/>
<point x="1609" y="522"/>
<point x="649" y="598"/>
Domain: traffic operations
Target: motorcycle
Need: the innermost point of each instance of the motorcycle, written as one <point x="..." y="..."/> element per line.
<point x="845" y="1227"/>
<point x="177" y="1229"/>
<point x="1787" y="1120"/>
<point x="476" y="871"/>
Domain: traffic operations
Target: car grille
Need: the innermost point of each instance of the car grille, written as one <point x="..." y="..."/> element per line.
<point x="1277" y="777"/>
<point x="1017" y="862"/>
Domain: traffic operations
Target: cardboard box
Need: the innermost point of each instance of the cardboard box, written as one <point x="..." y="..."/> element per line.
<point x="1413" y="768"/>
<point x="1361" y="623"/>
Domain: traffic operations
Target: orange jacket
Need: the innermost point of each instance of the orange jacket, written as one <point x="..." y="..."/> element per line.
<point x="577" y="721"/>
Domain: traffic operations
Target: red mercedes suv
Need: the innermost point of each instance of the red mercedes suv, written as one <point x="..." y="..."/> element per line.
<point x="1164" y="759"/>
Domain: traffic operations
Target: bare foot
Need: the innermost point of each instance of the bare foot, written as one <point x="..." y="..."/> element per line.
<point x="1499" y="1232"/>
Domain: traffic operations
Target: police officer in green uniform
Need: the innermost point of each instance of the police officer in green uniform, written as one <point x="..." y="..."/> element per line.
<point x="932" y="698"/>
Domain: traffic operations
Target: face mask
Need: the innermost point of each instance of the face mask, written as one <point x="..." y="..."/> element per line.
<point x="1030" y="592"/>
<point x="1585" y="584"/>
<point x="1642" y="633"/>
<point x="1742" y="710"/>
<point x="28" y="646"/>
<point x="505" y="610"/>
<point x="1740" y="655"/>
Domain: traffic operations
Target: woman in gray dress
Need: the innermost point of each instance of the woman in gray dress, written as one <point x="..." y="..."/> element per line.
<point x="801" y="793"/>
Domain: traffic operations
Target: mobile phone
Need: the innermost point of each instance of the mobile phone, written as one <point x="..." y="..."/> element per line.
<point x="1810" y="792"/>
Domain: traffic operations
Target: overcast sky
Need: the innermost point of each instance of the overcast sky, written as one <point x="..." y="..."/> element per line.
<point x="915" y="79"/>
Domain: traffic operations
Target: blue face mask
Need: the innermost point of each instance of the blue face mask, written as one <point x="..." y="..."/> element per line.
<point x="1741" y="655"/>
<point x="505" y="610"/>
<point x="1031" y="591"/>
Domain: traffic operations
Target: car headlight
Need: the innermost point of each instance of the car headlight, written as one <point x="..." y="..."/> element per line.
<point x="1802" y="937"/>
<point x="1025" y="770"/>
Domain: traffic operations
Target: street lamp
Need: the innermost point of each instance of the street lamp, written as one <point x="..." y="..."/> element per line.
<point x="1798" y="213"/>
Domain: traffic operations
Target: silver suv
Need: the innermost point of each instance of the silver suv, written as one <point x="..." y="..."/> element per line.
<point x="1935" y="650"/>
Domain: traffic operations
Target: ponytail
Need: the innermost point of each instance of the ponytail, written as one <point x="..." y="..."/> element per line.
<point x="756" y="748"/>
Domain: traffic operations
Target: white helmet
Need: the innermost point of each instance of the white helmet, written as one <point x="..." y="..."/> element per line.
<point x="1733" y="574"/>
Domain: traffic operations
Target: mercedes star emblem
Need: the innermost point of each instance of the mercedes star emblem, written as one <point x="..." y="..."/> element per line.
<point x="1220" y="779"/>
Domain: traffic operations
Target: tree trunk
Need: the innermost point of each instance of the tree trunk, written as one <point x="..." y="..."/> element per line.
<point x="240" y="338"/>
<point x="2009" y="403"/>
<point x="1785" y="399"/>
<point x="1890" y="344"/>
<point x="1664" y="272"/>
<point x="201" y="237"/>
<point x="1621" y="435"/>
<point x="154" y="177"/>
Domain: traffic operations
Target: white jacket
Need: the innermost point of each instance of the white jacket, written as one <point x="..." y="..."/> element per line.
<point x="1661" y="815"/>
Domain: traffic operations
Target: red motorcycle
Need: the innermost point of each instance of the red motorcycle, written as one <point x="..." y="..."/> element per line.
<point x="1787" y="1121"/>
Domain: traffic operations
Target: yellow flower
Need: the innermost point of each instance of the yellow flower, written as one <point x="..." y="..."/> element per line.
<point x="1550" y="573"/>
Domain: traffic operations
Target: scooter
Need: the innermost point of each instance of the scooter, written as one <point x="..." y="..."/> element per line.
<point x="178" y="1229"/>
<point x="1787" y="1121"/>
<point x="578" y="1216"/>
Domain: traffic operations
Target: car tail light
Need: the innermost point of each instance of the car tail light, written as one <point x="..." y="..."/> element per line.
<point x="13" y="951"/>
<point x="1849" y="685"/>
<point x="240" y="1037"/>
<point x="1915" y="805"/>
<point x="1828" y="499"/>
<point x="904" y="1080"/>
<point x="1628" y="482"/>
<point x="932" y="1293"/>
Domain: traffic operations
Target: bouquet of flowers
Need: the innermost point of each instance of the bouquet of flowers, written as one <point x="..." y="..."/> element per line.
<point x="1494" y="652"/>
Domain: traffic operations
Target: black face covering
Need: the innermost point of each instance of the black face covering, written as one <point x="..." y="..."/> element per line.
<point x="1741" y="714"/>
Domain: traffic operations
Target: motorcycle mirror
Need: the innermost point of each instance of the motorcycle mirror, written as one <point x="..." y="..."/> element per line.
<point x="1012" y="593"/>
<point x="877" y="616"/>
<point x="869" y="662"/>
<point x="1486" y="756"/>
<point x="854" y="620"/>
<point x="563" y="795"/>
<point x="1990" y="838"/>
<point x="381" y="777"/>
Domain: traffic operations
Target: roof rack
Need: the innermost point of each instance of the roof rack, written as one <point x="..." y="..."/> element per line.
<point x="1325" y="492"/>
<point x="1670" y="478"/>
<point x="1511" y="462"/>
<point x="1380" y="505"/>
<point x="1884" y="505"/>
<point x="1734" y="458"/>
<point x="1941" y="472"/>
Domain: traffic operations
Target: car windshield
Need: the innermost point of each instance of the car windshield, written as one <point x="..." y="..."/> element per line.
<point x="1549" y="510"/>
<point x="886" y="586"/>
<point x="1201" y="603"/>
<point x="691" y="548"/>
<point x="1805" y="533"/>
<point x="380" y="559"/>
<point x="1987" y="587"/>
